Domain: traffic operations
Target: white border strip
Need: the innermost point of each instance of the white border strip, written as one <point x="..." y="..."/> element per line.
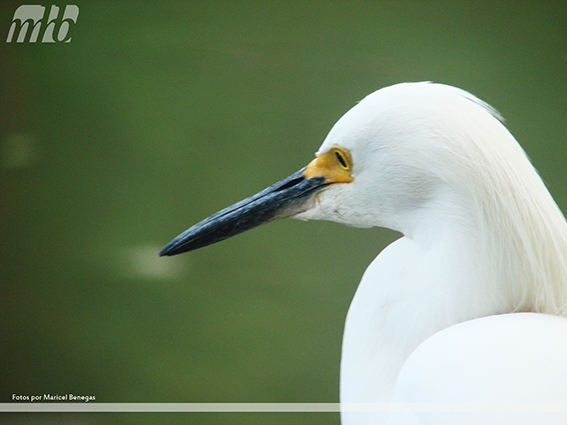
<point x="92" y="407"/>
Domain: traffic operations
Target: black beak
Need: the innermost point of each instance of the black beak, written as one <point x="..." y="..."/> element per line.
<point x="290" y="196"/>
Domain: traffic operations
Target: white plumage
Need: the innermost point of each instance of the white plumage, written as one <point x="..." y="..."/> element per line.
<point x="482" y="236"/>
<point x="469" y="305"/>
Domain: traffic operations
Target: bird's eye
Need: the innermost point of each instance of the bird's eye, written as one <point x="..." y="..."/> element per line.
<point x="341" y="158"/>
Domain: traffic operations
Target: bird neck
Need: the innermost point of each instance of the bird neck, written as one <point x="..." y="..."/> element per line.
<point x="464" y="259"/>
<point x="426" y="281"/>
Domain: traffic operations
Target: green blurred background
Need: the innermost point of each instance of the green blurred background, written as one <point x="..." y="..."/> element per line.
<point x="158" y="114"/>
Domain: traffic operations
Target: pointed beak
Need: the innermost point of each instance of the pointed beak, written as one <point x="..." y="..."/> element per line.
<point x="286" y="198"/>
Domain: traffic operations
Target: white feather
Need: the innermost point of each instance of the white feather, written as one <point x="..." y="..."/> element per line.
<point x="482" y="235"/>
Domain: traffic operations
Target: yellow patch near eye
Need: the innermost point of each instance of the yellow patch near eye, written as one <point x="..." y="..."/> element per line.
<point x="335" y="165"/>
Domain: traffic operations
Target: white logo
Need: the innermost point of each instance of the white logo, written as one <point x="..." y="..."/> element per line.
<point x="31" y="22"/>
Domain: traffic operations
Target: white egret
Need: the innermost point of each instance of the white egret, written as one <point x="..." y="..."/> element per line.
<point x="482" y="237"/>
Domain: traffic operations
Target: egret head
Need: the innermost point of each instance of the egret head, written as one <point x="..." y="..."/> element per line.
<point x="414" y="156"/>
<point x="410" y="149"/>
<point x="382" y="163"/>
